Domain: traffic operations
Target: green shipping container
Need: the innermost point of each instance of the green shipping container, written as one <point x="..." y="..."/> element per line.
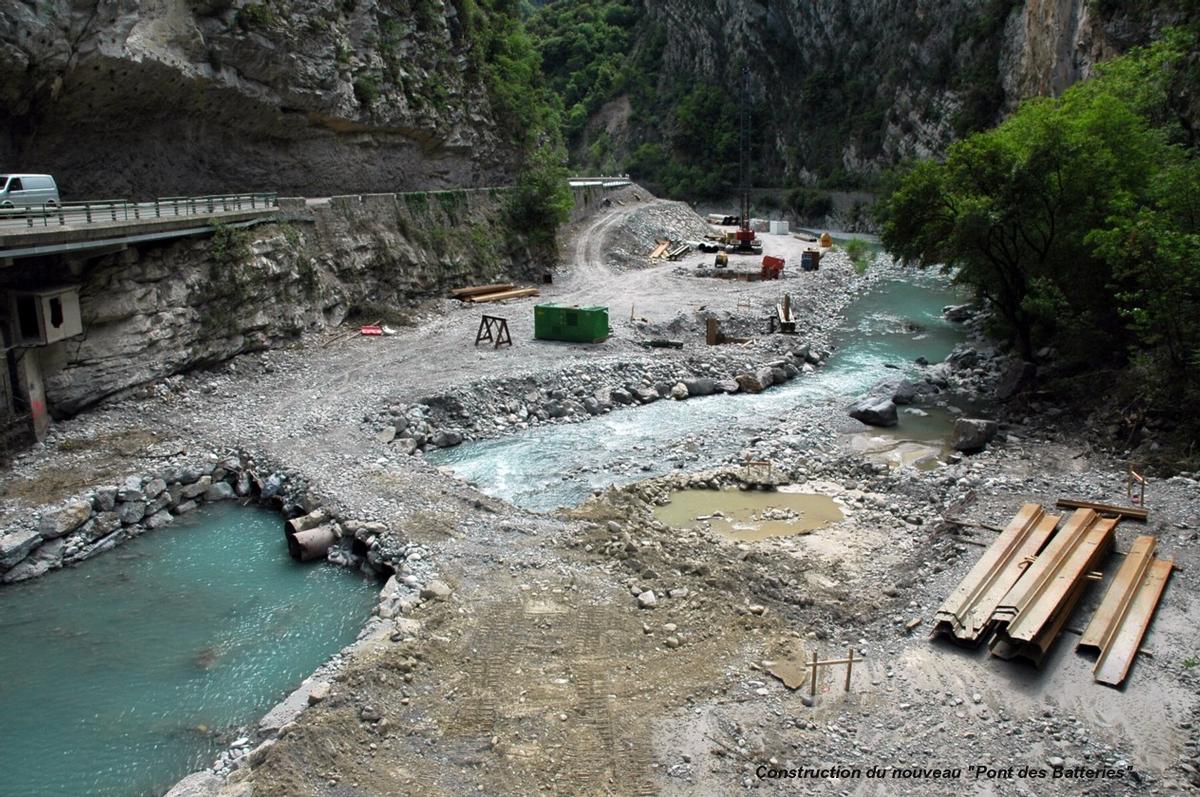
<point x="570" y="323"/>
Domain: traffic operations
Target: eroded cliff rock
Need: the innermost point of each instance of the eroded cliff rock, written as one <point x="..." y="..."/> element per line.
<point x="154" y="311"/>
<point x="132" y="98"/>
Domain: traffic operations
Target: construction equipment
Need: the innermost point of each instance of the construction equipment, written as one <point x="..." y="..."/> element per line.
<point x="967" y="613"/>
<point x="810" y="260"/>
<point x="670" y="250"/>
<point x="787" y="323"/>
<point x="479" y="294"/>
<point x="744" y="239"/>
<point x="717" y="218"/>
<point x="1131" y="512"/>
<point x="570" y="323"/>
<point x="519" y="293"/>
<point x="1022" y="591"/>
<point x="1034" y="611"/>
<point x="722" y="260"/>
<point x="480" y="290"/>
<point x="772" y="267"/>
<point x="1136" y="488"/>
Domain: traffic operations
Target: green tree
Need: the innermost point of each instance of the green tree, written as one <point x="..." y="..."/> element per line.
<point x="541" y="199"/>
<point x="1010" y="211"/>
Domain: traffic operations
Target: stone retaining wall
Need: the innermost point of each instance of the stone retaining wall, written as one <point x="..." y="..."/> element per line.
<point x="102" y="518"/>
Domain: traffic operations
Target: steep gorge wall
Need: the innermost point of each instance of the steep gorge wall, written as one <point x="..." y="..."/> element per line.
<point x="856" y="85"/>
<point x="135" y="98"/>
<point x="154" y="311"/>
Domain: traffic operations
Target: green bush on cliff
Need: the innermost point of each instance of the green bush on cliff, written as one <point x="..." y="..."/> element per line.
<point x="512" y="71"/>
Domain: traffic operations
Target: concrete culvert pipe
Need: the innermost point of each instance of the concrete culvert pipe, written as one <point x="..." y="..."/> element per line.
<point x="305" y="522"/>
<point x="311" y="544"/>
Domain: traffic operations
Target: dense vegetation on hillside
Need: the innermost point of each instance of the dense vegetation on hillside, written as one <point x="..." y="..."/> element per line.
<point x="1078" y="221"/>
<point x="595" y="51"/>
<point x="682" y="135"/>
<point x="529" y="110"/>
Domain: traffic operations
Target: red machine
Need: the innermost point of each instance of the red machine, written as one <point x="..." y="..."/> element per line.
<point x="772" y="267"/>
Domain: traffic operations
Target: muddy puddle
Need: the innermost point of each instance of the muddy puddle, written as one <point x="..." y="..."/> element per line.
<point x="749" y="515"/>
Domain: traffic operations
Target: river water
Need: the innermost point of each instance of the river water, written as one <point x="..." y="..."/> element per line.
<point x="121" y="676"/>
<point x="893" y="324"/>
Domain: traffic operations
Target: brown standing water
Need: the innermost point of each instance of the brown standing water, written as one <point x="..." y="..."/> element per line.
<point x="749" y="515"/>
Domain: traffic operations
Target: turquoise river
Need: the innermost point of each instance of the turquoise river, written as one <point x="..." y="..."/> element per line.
<point x="122" y="675"/>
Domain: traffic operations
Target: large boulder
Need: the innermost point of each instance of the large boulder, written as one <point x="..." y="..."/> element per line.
<point x="875" y="411"/>
<point x="750" y="383"/>
<point x="901" y="391"/>
<point x="65" y="519"/>
<point x="958" y="313"/>
<point x="621" y="396"/>
<point x="963" y="357"/>
<point x="16" y="545"/>
<point x="701" y="386"/>
<point x="646" y="394"/>
<point x="220" y="491"/>
<point x="972" y="434"/>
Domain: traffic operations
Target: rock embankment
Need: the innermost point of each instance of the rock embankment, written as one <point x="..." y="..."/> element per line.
<point x="90" y="523"/>
<point x="490" y="408"/>
<point x="302" y="96"/>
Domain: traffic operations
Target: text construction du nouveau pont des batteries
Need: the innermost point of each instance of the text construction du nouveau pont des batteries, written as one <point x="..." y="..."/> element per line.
<point x="835" y="772"/>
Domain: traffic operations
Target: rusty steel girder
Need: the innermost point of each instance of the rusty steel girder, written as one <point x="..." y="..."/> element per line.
<point x="1116" y="629"/>
<point x="1033" y="613"/>
<point x="967" y="614"/>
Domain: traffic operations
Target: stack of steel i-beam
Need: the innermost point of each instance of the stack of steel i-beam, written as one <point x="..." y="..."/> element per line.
<point x="1021" y="592"/>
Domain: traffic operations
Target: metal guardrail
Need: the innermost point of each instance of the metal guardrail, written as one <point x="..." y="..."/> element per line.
<point x="109" y="211"/>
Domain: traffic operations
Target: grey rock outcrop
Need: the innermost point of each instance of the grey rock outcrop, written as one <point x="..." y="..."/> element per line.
<point x="972" y="434"/>
<point x="325" y="98"/>
<point x="875" y="411"/>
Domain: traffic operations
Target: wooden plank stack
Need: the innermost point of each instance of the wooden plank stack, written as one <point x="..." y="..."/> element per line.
<point x="481" y="294"/>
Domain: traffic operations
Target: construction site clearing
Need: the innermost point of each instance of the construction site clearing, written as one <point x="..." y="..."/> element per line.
<point x="596" y="650"/>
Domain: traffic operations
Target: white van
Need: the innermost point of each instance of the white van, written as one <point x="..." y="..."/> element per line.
<point x="28" y="191"/>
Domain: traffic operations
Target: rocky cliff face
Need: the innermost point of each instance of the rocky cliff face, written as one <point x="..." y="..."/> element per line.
<point x="856" y="85"/>
<point x="133" y="98"/>
<point x="155" y="311"/>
